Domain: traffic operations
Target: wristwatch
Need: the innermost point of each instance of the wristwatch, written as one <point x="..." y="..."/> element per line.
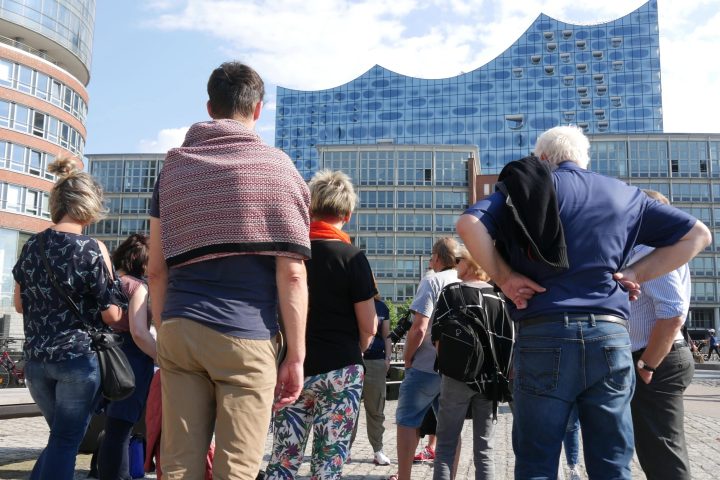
<point x="644" y="366"/>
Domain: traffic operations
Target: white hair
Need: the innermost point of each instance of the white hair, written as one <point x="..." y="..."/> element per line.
<point x="562" y="144"/>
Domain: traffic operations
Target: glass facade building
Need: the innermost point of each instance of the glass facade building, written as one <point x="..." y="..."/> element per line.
<point x="45" y="49"/>
<point x="604" y="78"/>
<point x="128" y="182"/>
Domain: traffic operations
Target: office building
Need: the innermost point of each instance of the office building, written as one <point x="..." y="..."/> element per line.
<point x="45" y="50"/>
<point x="128" y="181"/>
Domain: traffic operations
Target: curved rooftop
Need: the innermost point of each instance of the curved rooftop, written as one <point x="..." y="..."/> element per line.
<point x="61" y="30"/>
<point x="603" y="77"/>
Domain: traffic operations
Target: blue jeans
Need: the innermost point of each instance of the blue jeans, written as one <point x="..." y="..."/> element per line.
<point x="419" y="391"/>
<point x="558" y="365"/>
<point x="571" y="442"/>
<point x="66" y="393"/>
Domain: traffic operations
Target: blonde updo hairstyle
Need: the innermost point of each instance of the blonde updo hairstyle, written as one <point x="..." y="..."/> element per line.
<point x="76" y="193"/>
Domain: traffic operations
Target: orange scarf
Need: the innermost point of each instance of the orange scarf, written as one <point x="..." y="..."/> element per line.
<point x="320" y="230"/>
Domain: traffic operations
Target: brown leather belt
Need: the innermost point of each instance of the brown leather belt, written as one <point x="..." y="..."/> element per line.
<point x="571" y="318"/>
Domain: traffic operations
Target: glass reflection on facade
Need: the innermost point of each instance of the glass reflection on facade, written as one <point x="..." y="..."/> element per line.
<point x="604" y="78"/>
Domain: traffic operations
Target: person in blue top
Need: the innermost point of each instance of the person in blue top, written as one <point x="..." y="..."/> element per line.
<point x="565" y="235"/>
<point x="713" y="343"/>
<point x="62" y="371"/>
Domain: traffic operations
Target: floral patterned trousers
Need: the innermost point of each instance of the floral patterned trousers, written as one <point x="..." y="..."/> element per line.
<point x="329" y="403"/>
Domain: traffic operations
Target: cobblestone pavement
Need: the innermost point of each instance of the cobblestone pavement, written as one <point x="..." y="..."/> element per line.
<point x="21" y="441"/>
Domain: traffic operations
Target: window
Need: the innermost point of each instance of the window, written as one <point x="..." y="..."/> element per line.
<point x="375" y="245"/>
<point x="414" y="199"/>
<point x="12" y="200"/>
<point x="414" y="222"/>
<point x="609" y="158"/>
<point x="648" y="158"/>
<point x="377" y="168"/>
<point x="375" y="222"/>
<point x="451" y="168"/>
<point x="456" y="200"/>
<point x="21" y="119"/>
<point x="445" y="222"/>
<point x="690" y="192"/>
<point x="691" y="158"/>
<point x="343" y="161"/>
<point x="404" y="291"/>
<point x="6" y="72"/>
<point x="134" y="205"/>
<point x="377" y="199"/>
<point x="414" y="246"/>
<point x="703" y="266"/>
<point x="139" y="175"/>
<point x="382" y="268"/>
<point x="414" y="168"/>
<point x="31" y="202"/>
<point x="703" y="291"/>
<point x="408" y="268"/>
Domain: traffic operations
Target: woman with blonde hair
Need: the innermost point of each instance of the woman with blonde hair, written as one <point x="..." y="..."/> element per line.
<point x="62" y="370"/>
<point x="341" y="325"/>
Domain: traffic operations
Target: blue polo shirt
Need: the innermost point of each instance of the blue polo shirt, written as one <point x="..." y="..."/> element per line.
<point x="603" y="218"/>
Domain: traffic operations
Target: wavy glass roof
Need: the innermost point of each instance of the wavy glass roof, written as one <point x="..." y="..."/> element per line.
<point x="604" y="78"/>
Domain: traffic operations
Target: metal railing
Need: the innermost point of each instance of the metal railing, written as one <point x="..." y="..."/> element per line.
<point x="27" y="48"/>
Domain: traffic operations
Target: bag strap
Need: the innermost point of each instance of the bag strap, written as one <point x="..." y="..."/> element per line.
<point x="69" y="301"/>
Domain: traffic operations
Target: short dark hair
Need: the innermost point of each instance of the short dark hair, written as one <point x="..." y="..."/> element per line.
<point x="131" y="256"/>
<point x="234" y="88"/>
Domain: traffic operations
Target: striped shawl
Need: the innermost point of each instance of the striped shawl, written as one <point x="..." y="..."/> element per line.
<point x="225" y="192"/>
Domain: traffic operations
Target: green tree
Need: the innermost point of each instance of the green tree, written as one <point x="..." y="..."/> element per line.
<point x="397" y="311"/>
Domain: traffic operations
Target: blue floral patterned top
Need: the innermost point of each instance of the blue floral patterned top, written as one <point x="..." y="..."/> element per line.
<point x="52" y="331"/>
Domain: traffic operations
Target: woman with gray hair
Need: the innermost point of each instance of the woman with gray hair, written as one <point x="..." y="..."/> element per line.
<point x="62" y="370"/>
<point x="341" y="325"/>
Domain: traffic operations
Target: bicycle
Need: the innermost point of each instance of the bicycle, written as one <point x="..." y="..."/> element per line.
<point x="10" y="372"/>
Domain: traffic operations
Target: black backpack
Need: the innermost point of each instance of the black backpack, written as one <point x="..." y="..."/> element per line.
<point x="472" y="347"/>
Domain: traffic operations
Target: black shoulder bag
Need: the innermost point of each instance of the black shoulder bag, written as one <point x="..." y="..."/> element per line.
<point x="116" y="375"/>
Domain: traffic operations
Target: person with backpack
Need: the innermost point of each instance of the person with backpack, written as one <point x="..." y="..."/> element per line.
<point x="474" y="337"/>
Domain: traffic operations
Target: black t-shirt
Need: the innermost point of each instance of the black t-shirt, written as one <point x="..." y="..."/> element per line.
<point x="339" y="276"/>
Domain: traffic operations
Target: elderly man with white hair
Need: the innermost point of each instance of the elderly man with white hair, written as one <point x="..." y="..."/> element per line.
<point x="556" y="238"/>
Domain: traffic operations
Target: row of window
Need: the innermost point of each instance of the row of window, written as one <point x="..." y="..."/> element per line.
<point x="25" y="79"/>
<point x="412" y="199"/>
<point x="26" y="120"/>
<point x="656" y="158"/>
<point x="118" y="176"/>
<point x="26" y="160"/>
<point x="390" y="245"/>
<point x="401" y="167"/>
<point x="136" y="205"/>
<point x="122" y="227"/>
<point x="19" y="199"/>
<point x="402" y="222"/>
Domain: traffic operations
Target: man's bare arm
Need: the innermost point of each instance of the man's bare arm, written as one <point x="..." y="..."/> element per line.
<point x="415" y="337"/>
<point x="661" y="339"/>
<point x="157" y="272"/>
<point x="291" y="278"/>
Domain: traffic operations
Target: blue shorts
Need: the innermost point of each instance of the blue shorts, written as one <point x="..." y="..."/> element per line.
<point x="418" y="392"/>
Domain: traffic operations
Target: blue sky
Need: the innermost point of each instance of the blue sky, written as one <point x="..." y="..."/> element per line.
<point x="151" y="58"/>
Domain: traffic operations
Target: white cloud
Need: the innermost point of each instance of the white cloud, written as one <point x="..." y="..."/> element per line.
<point x="166" y="139"/>
<point x="317" y="44"/>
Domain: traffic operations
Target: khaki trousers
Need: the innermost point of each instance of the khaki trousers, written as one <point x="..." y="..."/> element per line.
<point x="213" y="382"/>
<point x="373" y="396"/>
